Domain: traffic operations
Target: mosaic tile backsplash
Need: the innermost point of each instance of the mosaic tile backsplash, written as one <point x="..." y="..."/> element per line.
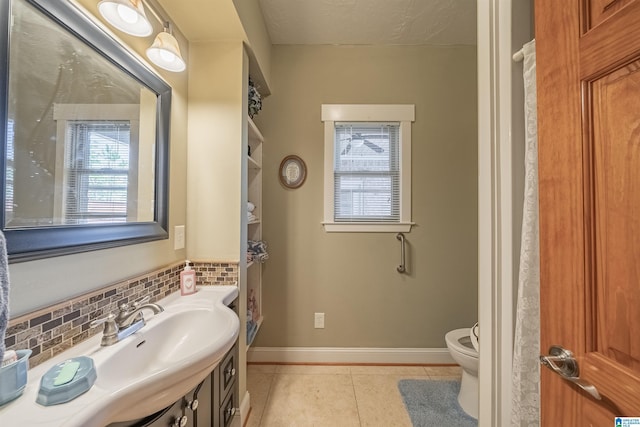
<point x="52" y="330"/>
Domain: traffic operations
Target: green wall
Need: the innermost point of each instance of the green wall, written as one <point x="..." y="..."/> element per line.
<point x="352" y="276"/>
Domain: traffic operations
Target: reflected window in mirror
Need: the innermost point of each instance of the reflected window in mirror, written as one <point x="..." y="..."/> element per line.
<point x="85" y="135"/>
<point x="96" y="172"/>
<point x="105" y="178"/>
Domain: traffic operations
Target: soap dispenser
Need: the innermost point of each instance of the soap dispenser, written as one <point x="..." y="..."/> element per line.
<point x="187" y="280"/>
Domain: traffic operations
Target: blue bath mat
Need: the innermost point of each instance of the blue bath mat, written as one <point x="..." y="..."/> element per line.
<point x="434" y="403"/>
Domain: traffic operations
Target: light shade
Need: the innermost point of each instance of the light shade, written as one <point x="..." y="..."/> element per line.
<point x="165" y="52"/>
<point x="127" y="16"/>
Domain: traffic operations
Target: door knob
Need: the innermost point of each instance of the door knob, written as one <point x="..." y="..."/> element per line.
<point x="563" y="363"/>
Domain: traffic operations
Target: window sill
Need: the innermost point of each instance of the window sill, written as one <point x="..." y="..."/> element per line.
<point x="367" y="227"/>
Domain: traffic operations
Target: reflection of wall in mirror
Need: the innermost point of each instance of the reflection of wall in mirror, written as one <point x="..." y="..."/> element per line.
<point x="47" y="67"/>
<point x="147" y="157"/>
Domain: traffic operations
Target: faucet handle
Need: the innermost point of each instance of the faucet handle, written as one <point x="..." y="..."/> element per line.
<point x="110" y="332"/>
<point x="124" y="307"/>
<point x="141" y="301"/>
<point x="106" y="320"/>
<point x="127" y="307"/>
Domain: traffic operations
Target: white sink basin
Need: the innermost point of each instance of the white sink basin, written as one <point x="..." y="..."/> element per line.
<point x="144" y="372"/>
<point x="172" y="339"/>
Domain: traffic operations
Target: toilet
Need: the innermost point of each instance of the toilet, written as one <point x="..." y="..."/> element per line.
<point x="462" y="344"/>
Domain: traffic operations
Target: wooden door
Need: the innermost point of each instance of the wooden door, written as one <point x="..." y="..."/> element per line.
<point x="588" y="86"/>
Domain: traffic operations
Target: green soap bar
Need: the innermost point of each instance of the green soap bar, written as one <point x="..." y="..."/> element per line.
<point x="67" y="373"/>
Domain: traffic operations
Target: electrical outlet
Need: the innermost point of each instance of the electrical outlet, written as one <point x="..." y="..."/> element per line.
<point x="178" y="237"/>
<point x="318" y="320"/>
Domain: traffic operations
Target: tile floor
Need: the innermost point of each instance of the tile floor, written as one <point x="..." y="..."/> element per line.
<point x="333" y="396"/>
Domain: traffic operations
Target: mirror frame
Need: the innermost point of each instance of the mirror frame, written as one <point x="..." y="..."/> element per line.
<point x="24" y="244"/>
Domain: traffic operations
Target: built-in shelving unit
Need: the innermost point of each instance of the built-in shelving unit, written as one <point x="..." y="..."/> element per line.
<point x="254" y="229"/>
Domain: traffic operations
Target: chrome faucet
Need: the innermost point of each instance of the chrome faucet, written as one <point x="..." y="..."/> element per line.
<point x="128" y="321"/>
<point x="130" y="314"/>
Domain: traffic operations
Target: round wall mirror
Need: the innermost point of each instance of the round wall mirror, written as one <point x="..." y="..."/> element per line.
<point x="293" y="171"/>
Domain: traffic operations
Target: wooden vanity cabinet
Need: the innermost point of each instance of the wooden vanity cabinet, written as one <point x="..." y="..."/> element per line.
<point x="225" y="396"/>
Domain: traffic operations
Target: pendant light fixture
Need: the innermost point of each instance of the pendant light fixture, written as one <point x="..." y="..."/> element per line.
<point x="129" y="16"/>
<point x="165" y="52"/>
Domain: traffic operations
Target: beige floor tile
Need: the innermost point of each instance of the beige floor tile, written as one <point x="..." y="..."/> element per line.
<point x="311" y="401"/>
<point x="379" y="400"/>
<point x="333" y="396"/>
<point x="254" y="419"/>
<point x="444" y="372"/>
<point x="313" y="369"/>
<point x="258" y="386"/>
<point x="387" y="370"/>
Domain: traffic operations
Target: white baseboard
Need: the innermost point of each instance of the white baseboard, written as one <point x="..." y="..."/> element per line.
<point x="400" y="356"/>
<point x="245" y="407"/>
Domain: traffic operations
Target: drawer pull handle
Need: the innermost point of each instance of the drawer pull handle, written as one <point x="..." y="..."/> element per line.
<point x="181" y="421"/>
<point x="193" y="405"/>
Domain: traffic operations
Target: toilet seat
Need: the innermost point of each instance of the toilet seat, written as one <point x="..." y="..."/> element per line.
<point x="474" y="334"/>
<point x="460" y="341"/>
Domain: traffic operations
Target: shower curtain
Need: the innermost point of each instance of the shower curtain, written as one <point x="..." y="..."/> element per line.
<point x="526" y="366"/>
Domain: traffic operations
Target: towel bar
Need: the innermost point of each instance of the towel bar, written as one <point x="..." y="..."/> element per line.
<point x="401" y="268"/>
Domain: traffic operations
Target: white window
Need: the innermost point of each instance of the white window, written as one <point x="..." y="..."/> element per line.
<point x="367" y="174"/>
<point x="97" y="157"/>
<point x="9" y="172"/>
<point x="97" y="171"/>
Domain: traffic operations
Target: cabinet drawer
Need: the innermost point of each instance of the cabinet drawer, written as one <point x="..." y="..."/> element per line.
<point x="228" y="370"/>
<point x="228" y="410"/>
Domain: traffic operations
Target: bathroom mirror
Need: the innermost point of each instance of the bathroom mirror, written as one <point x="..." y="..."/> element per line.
<point x="84" y="134"/>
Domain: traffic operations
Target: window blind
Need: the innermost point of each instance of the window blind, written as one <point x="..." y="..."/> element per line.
<point x="97" y="171"/>
<point x="366" y="172"/>
<point x="9" y="172"/>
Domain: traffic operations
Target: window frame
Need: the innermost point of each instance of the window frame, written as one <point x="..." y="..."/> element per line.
<point x="402" y="113"/>
<point x="87" y="215"/>
<point x="66" y="115"/>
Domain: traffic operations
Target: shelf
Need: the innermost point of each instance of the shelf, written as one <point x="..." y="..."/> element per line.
<point x="251" y="333"/>
<point x="254" y="132"/>
<point x="251" y="263"/>
<point x="253" y="164"/>
<point x="254" y="228"/>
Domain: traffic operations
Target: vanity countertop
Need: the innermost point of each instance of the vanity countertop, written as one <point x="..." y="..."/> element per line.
<point x="127" y="388"/>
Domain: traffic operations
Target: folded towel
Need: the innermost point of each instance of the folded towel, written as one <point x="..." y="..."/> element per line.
<point x="257" y="250"/>
<point x="250" y="206"/>
<point x="4" y="293"/>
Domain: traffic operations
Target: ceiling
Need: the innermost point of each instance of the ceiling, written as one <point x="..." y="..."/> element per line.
<point x="371" y="22"/>
<point x="396" y="22"/>
<point x="202" y="20"/>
